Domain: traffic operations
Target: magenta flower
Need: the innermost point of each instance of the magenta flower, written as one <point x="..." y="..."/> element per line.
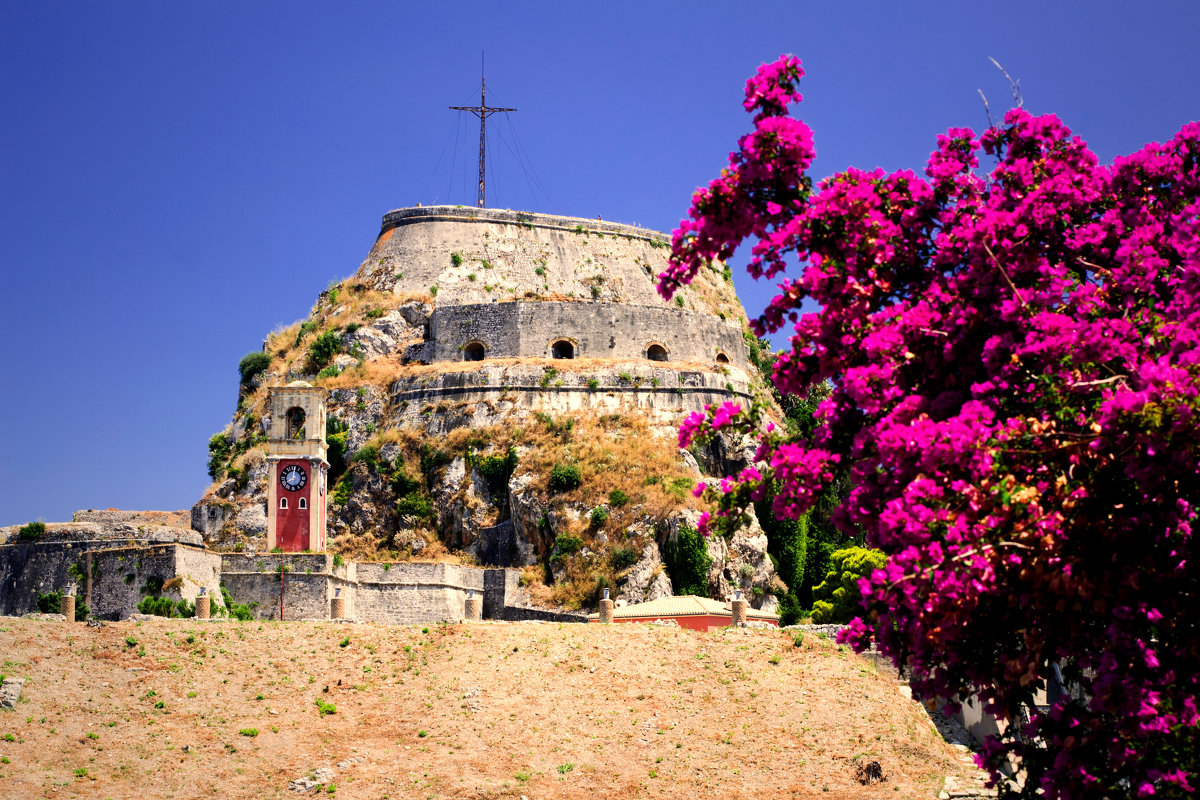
<point x="1016" y="368"/>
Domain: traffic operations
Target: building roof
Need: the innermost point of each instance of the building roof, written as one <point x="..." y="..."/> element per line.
<point x="682" y="606"/>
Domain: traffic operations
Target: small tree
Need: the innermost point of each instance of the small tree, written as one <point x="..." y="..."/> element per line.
<point x="837" y="598"/>
<point x="252" y="365"/>
<point x="1016" y="384"/>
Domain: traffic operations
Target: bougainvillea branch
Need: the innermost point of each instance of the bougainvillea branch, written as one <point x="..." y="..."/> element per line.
<point x="1015" y="362"/>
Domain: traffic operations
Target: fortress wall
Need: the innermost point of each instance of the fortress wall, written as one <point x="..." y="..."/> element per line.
<point x="92" y="557"/>
<point x="117" y="576"/>
<point x="508" y="255"/>
<point x="500" y="391"/>
<point x="598" y="330"/>
<point x="305" y="596"/>
<point x="31" y="567"/>
<point x="111" y="581"/>
<point x="418" y="242"/>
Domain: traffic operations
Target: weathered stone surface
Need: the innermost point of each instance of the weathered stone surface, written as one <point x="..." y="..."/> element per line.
<point x="515" y="252"/>
<point x="252" y="520"/>
<point x="647" y="579"/>
<point x="208" y="517"/>
<point x="527" y="510"/>
<point x="113" y="516"/>
<point x="10" y="692"/>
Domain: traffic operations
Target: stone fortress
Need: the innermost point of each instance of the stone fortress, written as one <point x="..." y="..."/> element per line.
<point x="458" y="320"/>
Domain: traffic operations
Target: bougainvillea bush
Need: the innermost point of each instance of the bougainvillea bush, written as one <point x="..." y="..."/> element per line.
<point x="1014" y="351"/>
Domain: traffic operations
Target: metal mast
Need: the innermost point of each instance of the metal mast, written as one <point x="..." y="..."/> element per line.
<point x="482" y="111"/>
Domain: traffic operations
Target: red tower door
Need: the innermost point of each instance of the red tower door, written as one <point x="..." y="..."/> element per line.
<point x="293" y="529"/>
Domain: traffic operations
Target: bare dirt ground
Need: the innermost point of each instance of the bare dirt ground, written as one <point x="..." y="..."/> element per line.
<point x="181" y="708"/>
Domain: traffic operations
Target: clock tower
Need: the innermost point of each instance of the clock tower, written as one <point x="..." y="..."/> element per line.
<point x="296" y="494"/>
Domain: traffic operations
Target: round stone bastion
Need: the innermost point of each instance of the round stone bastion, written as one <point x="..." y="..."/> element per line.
<point x="500" y="284"/>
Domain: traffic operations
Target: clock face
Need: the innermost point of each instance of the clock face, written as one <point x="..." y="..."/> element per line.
<point x="293" y="477"/>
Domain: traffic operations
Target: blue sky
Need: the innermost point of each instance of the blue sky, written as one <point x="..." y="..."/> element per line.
<point x="177" y="179"/>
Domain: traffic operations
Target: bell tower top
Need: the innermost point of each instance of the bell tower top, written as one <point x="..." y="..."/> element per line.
<point x="297" y="421"/>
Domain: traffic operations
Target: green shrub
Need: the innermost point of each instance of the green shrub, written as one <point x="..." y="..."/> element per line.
<point x="415" y="505"/>
<point x="564" y="477"/>
<point x="836" y="599"/>
<point x="368" y="454"/>
<point x="332" y="371"/>
<point x="593" y="383"/>
<point x="433" y="458"/>
<point x="456" y="259"/>
<point x="336" y="432"/>
<point x="617" y="498"/>
<point x="599" y="516"/>
<point x="374" y="313"/>
<point x="680" y="487"/>
<point x="165" y="607"/>
<point x="338" y="560"/>
<point x="218" y="454"/>
<point x="687" y="561"/>
<point x="564" y="545"/>
<point x="497" y="469"/>
<point x="51" y="603"/>
<point x="251" y="732"/>
<point x="787" y="544"/>
<point x="342" y="491"/>
<point x="252" y="365"/>
<point x="322" y="350"/>
<point x="622" y="558"/>
<point x="306" y="327"/>
<point x="239" y="611"/>
<point x="31" y="532"/>
<point x="401" y="483"/>
<point x="325" y="708"/>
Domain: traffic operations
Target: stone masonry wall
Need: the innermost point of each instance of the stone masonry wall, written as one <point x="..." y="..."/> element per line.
<point x="113" y="578"/>
<point x="597" y="330"/>
<point x="511" y="255"/>
<point x="499" y="391"/>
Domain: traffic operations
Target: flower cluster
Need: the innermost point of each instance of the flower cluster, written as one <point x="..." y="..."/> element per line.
<point x="1015" y="362"/>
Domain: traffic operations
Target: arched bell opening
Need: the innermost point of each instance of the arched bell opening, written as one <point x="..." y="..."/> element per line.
<point x="722" y="358"/>
<point x="295" y="422"/>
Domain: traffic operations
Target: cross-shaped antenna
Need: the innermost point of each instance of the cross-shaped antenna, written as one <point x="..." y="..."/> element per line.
<point x="482" y="111"/>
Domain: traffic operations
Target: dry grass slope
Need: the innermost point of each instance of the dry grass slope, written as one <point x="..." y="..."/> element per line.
<point x="167" y="709"/>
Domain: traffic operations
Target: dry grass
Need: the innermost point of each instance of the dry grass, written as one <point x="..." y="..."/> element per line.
<point x="484" y="710"/>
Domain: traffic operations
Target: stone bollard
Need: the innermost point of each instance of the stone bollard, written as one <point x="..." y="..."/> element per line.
<point x="474" y="607"/>
<point x="203" y="604"/>
<point x="337" y="606"/>
<point x="606" y="608"/>
<point x="67" y="607"/>
<point x="738" y="617"/>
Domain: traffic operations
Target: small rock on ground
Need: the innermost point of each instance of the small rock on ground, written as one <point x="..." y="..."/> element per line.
<point x="10" y="692"/>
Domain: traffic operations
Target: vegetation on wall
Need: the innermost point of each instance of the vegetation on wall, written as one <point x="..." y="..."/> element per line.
<point x="687" y="560"/>
<point x="31" y="532"/>
<point x="252" y="365"/>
